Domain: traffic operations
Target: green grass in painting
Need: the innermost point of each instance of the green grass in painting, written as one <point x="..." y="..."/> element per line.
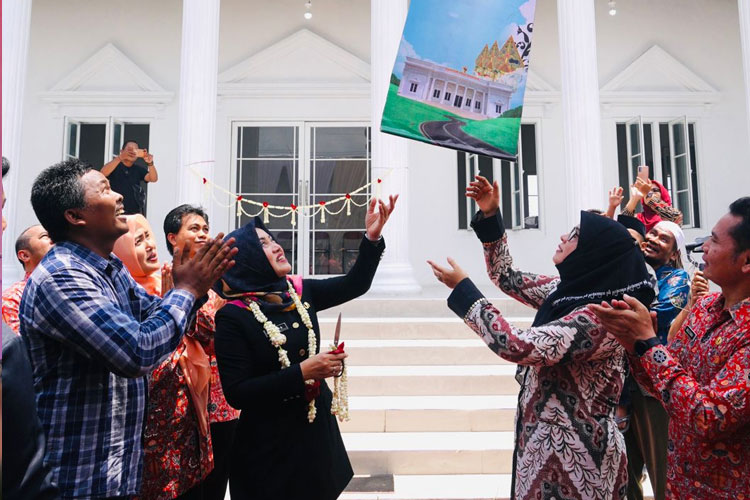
<point x="403" y="117"/>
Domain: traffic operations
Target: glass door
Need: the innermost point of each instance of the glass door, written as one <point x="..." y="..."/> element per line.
<point x="305" y="163"/>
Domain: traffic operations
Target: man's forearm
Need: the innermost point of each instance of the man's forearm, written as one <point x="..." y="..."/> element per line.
<point x="110" y="166"/>
<point x="152" y="175"/>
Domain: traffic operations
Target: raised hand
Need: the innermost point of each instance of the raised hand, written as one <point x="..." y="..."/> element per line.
<point x="643" y="185"/>
<point x="615" y="196"/>
<point x="148" y="157"/>
<point x="449" y="277"/>
<point x="199" y="273"/>
<point x="377" y="217"/>
<point x="627" y="320"/>
<point x="485" y="194"/>
<point x="167" y="282"/>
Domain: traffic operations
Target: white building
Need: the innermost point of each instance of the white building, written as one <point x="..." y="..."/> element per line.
<point x="460" y="92"/>
<point x="284" y="106"/>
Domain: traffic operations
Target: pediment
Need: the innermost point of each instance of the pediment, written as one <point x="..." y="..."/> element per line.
<point x="108" y="75"/>
<point x="303" y="58"/>
<point x="658" y="75"/>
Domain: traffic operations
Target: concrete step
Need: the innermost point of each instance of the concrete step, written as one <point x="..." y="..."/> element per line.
<point x="430" y="413"/>
<point x="468" y="351"/>
<point x="430" y="452"/>
<point x="450" y="487"/>
<point x="356" y="328"/>
<point x="431" y="380"/>
<point x="416" y="307"/>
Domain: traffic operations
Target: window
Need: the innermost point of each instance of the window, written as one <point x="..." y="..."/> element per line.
<point x="468" y="103"/>
<point x="436" y="93"/>
<point x="498" y="108"/>
<point x="478" y="105"/>
<point x="447" y="96"/>
<point x="519" y="183"/>
<point x="305" y="163"/>
<point x="674" y="165"/>
<point x="457" y="102"/>
<point x="97" y="141"/>
<point x="413" y="87"/>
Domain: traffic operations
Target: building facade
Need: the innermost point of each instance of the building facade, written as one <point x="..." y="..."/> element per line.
<point x="268" y="105"/>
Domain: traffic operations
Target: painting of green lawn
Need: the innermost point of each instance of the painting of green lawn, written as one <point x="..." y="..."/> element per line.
<point x="403" y="116"/>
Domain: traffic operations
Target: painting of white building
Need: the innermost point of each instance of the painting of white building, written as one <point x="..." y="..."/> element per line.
<point x="459" y="92"/>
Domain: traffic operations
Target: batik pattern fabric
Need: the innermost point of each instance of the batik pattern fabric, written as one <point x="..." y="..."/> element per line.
<point x="177" y="456"/>
<point x="218" y="408"/>
<point x="674" y="288"/>
<point x="703" y="380"/>
<point x="571" y="373"/>
<point x="12" y="303"/>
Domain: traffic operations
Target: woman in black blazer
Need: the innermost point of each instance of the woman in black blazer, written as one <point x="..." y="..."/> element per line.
<point x="288" y="444"/>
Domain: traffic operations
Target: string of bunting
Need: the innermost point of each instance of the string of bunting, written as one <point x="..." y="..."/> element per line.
<point x="256" y="208"/>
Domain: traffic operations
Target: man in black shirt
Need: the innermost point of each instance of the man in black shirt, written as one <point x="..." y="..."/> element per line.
<point x="125" y="176"/>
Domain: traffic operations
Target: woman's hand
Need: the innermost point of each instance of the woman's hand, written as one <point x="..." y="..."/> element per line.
<point x="643" y="185"/>
<point x="486" y="195"/>
<point x="449" y="277"/>
<point x="167" y="283"/>
<point x="323" y="365"/>
<point x="698" y="288"/>
<point x="376" y="218"/>
<point x="615" y="197"/>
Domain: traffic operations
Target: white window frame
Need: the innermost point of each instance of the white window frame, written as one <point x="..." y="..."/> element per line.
<point x="687" y="214"/>
<point x="110" y="149"/>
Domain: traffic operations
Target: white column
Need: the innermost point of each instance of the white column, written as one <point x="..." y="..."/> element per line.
<point x="581" y="111"/>
<point x="16" y="27"/>
<point x="199" y="67"/>
<point x="744" y="11"/>
<point x="389" y="153"/>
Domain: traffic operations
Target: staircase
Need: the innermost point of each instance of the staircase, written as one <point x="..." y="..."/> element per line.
<point x="430" y="404"/>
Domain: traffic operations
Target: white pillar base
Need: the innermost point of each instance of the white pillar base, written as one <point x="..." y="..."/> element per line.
<point x="395" y="278"/>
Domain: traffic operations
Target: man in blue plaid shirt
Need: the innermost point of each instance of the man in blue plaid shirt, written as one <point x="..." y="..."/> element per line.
<point x="93" y="334"/>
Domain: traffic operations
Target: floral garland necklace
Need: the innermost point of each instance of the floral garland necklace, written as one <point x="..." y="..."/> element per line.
<point x="340" y="403"/>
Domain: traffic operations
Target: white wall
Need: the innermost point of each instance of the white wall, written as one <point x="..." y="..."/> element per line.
<point x="702" y="34"/>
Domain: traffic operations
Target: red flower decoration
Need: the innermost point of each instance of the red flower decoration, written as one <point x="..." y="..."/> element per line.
<point x="348" y="196"/>
<point x="322" y="203"/>
<point x="294" y="207"/>
<point x="239" y="198"/>
<point x="312" y="391"/>
<point x="265" y="204"/>
<point x="205" y="180"/>
<point x="380" y="180"/>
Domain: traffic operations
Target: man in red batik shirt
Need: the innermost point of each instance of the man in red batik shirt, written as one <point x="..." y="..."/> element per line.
<point x="702" y="378"/>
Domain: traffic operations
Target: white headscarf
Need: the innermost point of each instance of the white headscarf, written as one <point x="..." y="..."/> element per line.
<point x="679" y="238"/>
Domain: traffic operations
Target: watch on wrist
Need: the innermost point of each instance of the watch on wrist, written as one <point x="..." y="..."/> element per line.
<point x="641" y="347"/>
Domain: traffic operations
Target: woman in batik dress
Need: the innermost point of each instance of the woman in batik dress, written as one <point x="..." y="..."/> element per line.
<point x="570" y="369"/>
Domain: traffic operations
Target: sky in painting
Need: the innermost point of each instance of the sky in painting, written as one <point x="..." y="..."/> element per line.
<point x="453" y="32"/>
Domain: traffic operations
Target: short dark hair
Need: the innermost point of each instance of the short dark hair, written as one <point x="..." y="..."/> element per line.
<point x="57" y="189"/>
<point x="128" y="141"/>
<point x="173" y="220"/>
<point x="6" y="166"/>
<point x="22" y="243"/>
<point x="740" y="233"/>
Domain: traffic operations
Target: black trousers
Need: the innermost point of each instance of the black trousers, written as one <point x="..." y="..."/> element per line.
<point x="222" y="436"/>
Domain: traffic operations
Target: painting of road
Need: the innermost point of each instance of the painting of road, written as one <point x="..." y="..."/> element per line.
<point x="460" y="75"/>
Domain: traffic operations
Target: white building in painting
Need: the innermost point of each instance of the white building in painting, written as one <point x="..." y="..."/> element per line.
<point x="459" y="92"/>
<point x="267" y="104"/>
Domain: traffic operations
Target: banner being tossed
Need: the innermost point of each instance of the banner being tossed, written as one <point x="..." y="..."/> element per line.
<point x="460" y="75"/>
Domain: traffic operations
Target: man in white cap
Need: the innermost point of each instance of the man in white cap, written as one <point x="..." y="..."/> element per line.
<point x="646" y="436"/>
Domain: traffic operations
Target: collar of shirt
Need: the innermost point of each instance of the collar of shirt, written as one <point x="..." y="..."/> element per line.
<point x="740" y="312"/>
<point x="107" y="266"/>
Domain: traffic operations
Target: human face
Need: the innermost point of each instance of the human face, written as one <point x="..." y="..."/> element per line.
<point x="102" y="219"/>
<point x="569" y="242"/>
<point x="274" y="253"/>
<point x="723" y="265"/>
<point x="194" y="229"/>
<point x="39" y="245"/>
<point x="660" y="247"/>
<point x="129" y="152"/>
<point x="145" y="250"/>
<point x="656" y="193"/>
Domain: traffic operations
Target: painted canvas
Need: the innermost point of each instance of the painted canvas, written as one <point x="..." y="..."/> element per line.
<point x="460" y="75"/>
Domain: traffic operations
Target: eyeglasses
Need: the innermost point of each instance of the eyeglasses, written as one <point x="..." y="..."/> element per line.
<point x="574" y="233"/>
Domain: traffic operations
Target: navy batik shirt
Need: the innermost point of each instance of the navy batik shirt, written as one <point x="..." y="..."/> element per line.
<point x="93" y="334"/>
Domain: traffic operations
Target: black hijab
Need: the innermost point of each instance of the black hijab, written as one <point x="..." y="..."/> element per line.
<point x="606" y="264"/>
<point x="251" y="273"/>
